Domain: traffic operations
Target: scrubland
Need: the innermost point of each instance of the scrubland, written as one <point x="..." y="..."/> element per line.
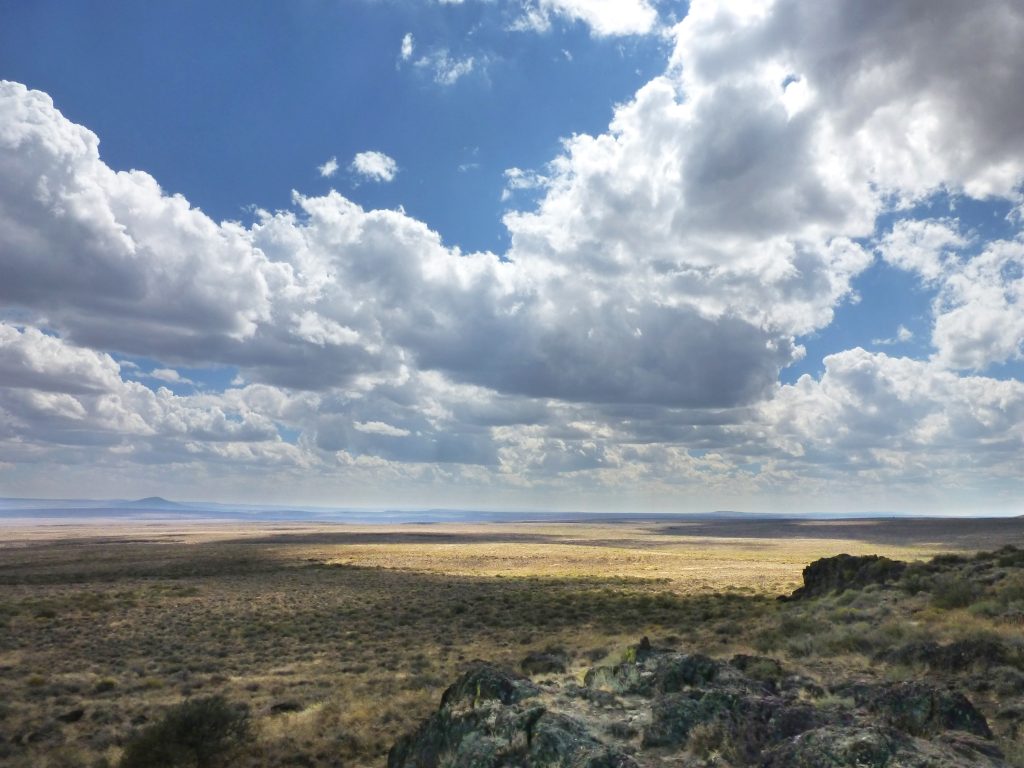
<point x="337" y="640"/>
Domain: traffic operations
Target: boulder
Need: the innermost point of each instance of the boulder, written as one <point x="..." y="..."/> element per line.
<point x="447" y="738"/>
<point x="624" y="678"/>
<point x="747" y="723"/>
<point x="652" y="672"/>
<point x="559" y="740"/>
<point x="487" y="719"/>
<point x="675" y="671"/>
<point x="494" y="735"/>
<point x="958" y="656"/>
<point x="921" y="709"/>
<point x="869" y="746"/>
<point x="484" y="681"/>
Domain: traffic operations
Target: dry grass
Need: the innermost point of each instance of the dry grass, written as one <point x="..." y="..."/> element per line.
<point x="355" y="631"/>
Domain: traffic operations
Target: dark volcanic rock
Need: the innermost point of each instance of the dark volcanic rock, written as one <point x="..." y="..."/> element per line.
<point x="435" y="741"/>
<point x="969" y="745"/>
<point x="544" y="663"/>
<point x="834" y="574"/>
<point x="657" y="704"/>
<point x="747" y="723"/>
<point x="676" y="671"/>
<point x="626" y="677"/>
<point x="595" y="696"/>
<point x="558" y="740"/>
<point x="657" y="672"/>
<point x="495" y="735"/>
<point x="486" y="720"/>
<point x="958" y="656"/>
<point x="879" y="747"/>
<point x="831" y="746"/>
<point x="921" y="709"/>
<point x="483" y="682"/>
<point x="869" y="747"/>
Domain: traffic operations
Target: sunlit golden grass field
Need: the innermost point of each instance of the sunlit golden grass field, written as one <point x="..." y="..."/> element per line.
<point x="688" y="564"/>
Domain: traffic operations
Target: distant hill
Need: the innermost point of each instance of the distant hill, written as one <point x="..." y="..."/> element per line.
<point x="151" y="502"/>
<point x="150" y="506"/>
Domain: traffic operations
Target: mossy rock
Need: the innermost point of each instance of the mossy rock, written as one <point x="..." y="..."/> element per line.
<point x="921" y="709"/>
<point x="871" y="747"/>
<point x="484" y="682"/>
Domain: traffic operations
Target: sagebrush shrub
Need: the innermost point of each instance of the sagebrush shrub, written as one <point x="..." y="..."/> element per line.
<point x="952" y="592"/>
<point x="198" y="733"/>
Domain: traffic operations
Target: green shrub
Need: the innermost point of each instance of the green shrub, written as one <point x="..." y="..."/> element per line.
<point x="1009" y="556"/>
<point x="764" y="670"/>
<point x="798" y="624"/>
<point x="987" y="608"/>
<point x="846" y="597"/>
<point x="1011" y="588"/>
<point x="916" y="579"/>
<point x="801" y="647"/>
<point x="198" y="733"/>
<point x="952" y="592"/>
<point x="849" y="638"/>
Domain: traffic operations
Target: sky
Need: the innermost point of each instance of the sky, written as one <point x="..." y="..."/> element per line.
<point x="596" y="255"/>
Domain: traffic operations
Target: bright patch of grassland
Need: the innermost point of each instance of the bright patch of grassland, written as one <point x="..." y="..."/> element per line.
<point x="688" y="564"/>
<point x="339" y="639"/>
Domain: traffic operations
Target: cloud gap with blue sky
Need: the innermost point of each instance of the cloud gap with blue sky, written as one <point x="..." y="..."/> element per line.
<point x="554" y="254"/>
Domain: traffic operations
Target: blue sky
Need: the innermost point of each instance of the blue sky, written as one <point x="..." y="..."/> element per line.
<point x="514" y="254"/>
<point x="249" y="98"/>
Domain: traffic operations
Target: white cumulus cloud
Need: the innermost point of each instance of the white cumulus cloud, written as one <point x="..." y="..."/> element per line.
<point x="631" y="336"/>
<point x="445" y="68"/>
<point x="374" y="166"/>
<point x="329" y="168"/>
<point x="169" y="375"/>
<point x="604" y="17"/>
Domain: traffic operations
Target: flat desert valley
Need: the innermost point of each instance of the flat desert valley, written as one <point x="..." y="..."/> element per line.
<point x="339" y="639"/>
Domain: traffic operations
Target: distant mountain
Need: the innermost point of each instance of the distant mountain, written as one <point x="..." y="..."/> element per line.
<point x="157" y="507"/>
<point x="150" y="502"/>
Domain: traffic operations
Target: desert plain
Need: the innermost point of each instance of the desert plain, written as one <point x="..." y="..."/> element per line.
<point x="338" y="639"/>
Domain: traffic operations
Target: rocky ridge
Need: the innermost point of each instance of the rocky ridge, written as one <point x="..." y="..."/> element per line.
<point x="670" y="706"/>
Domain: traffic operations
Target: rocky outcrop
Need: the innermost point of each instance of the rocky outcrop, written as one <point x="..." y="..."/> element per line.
<point x="922" y="709"/>
<point x="484" y="682"/>
<point x="659" y="704"/>
<point x="741" y="724"/>
<point x="958" y="656"/>
<point x="834" y="574"/>
<point x="646" y="671"/>
<point x="871" y="747"/>
<point x="490" y="718"/>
